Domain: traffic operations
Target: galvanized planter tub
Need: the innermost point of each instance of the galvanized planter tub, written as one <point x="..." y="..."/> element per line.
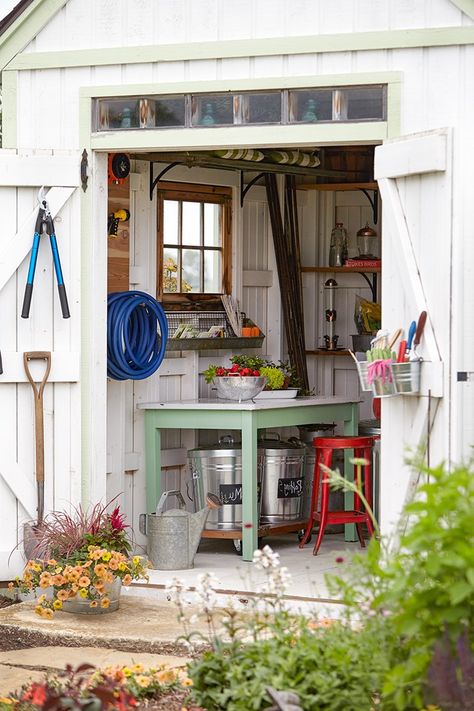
<point x="217" y="469"/>
<point x="81" y="606"/>
<point x="283" y="479"/>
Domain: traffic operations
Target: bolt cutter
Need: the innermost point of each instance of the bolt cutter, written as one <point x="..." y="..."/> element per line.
<point x="44" y="225"/>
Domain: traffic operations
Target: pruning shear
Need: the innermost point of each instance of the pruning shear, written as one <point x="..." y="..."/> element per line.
<point x="44" y="225"/>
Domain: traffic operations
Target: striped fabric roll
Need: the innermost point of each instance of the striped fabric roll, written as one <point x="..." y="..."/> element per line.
<point x="241" y="154"/>
<point x="305" y="160"/>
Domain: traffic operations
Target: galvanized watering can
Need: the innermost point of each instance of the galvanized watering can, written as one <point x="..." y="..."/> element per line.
<point x="174" y="535"/>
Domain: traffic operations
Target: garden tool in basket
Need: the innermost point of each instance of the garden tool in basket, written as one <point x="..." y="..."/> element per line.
<point x="30" y="530"/>
<point x="44" y="225"/>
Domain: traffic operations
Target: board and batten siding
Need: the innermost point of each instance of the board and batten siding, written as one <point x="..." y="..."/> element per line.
<point x="44" y="330"/>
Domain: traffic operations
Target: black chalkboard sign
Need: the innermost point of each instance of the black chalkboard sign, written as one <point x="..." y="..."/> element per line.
<point x="231" y="494"/>
<point x="290" y="488"/>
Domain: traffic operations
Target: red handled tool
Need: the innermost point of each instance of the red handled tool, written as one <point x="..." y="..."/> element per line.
<point x="402" y="349"/>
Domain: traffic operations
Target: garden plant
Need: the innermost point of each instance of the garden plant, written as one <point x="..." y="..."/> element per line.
<point x="404" y="640"/>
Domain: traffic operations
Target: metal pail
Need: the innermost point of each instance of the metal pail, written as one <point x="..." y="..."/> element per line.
<point x="217" y="468"/>
<point x="283" y="479"/>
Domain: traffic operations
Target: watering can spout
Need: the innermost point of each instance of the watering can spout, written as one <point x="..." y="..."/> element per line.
<point x="197" y="521"/>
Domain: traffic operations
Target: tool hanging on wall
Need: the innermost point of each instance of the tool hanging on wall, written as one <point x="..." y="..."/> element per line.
<point x="114" y="218"/>
<point x="44" y="225"/>
<point x="118" y="168"/>
<point x="30" y="541"/>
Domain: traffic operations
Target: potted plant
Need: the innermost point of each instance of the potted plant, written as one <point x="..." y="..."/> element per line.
<point x="279" y="377"/>
<point x="80" y="561"/>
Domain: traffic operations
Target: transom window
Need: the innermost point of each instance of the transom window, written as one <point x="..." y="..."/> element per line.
<point x="194" y="224"/>
<point x="272" y="106"/>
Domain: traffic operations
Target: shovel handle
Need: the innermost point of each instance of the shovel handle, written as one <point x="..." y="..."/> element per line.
<point x="37" y="355"/>
<point x="39" y="426"/>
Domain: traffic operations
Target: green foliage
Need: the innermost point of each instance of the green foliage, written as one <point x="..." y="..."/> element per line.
<point x="426" y="586"/>
<point x="248" y="361"/>
<point x="330" y="666"/>
<point x="275" y="377"/>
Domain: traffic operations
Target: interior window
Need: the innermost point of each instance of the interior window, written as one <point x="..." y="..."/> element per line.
<point x="194" y="223"/>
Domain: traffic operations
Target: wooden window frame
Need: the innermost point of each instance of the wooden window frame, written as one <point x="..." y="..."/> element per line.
<point x="195" y="193"/>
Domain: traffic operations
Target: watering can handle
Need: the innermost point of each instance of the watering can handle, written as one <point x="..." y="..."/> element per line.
<point x="165" y="495"/>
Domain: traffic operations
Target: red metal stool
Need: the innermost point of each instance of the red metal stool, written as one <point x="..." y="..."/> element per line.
<point x="325" y="446"/>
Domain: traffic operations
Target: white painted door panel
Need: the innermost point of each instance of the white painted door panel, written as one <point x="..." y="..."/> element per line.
<point x="21" y="176"/>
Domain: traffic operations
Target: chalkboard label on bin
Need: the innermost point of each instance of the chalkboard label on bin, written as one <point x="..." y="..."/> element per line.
<point x="290" y="488"/>
<point x="231" y="494"/>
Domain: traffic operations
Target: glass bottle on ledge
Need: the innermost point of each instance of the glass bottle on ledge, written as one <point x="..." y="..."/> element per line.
<point x="338" y="247"/>
<point x="208" y="118"/>
<point x="309" y="116"/>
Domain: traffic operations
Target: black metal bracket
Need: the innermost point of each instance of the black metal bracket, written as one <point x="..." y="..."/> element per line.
<point x="244" y="190"/>
<point x="154" y="181"/>
<point x="84" y="170"/>
<point x="374" y="202"/>
<point x="372" y="284"/>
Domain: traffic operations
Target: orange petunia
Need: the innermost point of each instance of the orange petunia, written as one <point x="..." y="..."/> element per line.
<point x="127" y="579"/>
<point x="84" y="582"/>
<point x="105" y="602"/>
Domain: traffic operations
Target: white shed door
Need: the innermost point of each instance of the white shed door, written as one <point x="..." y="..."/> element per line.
<point x="415" y="180"/>
<point x="21" y="176"/>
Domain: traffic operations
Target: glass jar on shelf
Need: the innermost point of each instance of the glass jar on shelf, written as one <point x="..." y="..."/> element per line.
<point x="338" y="251"/>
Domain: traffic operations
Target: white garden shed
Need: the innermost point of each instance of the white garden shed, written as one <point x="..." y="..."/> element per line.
<point x="62" y="60"/>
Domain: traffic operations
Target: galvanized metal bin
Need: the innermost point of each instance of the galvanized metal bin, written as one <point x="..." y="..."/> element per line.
<point x="283" y="479"/>
<point x="217" y="469"/>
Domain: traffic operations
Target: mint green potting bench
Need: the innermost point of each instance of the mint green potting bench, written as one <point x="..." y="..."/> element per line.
<point x="248" y="417"/>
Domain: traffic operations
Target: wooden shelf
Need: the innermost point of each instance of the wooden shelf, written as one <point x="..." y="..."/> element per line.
<point x="337" y="186"/>
<point x="213" y="344"/>
<point x="326" y="352"/>
<point x="341" y="270"/>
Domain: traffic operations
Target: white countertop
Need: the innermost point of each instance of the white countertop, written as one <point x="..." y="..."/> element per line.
<point x="263" y="404"/>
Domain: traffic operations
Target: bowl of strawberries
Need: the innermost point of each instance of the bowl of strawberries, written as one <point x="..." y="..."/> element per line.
<point x="239" y="382"/>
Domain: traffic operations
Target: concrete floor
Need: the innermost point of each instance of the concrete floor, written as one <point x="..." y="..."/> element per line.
<point x="307" y="572"/>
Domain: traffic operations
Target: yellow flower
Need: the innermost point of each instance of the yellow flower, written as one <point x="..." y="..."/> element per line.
<point x="84" y="582"/>
<point x="127" y="671"/>
<point x="136" y="559"/>
<point x="48" y="613"/>
<point x="58" y="570"/>
<point x="187" y="682"/>
<point x="121" y="566"/>
<point x="106" y="556"/>
<point x="4" y="700"/>
<point x="137" y="668"/>
<point x="36" y="567"/>
<point x="83" y="592"/>
<point x="105" y="602"/>
<point x="41" y="599"/>
<point x="166" y="676"/>
<point x="39" y="610"/>
<point x="127" y="579"/>
<point x="57" y="604"/>
<point x="143" y="681"/>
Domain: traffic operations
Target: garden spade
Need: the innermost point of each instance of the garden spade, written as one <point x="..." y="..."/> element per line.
<point x="30" y="530"/>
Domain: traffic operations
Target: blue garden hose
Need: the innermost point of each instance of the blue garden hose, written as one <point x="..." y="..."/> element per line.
<point x="135" y="349"/>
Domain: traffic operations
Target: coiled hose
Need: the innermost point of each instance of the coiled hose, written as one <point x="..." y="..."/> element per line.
<point x="135" y="350"/>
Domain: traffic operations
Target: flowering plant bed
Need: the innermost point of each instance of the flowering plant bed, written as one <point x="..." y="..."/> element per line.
<point x="81" y="558"/>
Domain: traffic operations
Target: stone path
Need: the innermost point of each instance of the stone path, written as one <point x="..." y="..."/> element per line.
<point x="139" y="624"/>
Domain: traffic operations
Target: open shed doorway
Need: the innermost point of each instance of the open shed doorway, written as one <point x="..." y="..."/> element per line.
<point x="343" y="191"/>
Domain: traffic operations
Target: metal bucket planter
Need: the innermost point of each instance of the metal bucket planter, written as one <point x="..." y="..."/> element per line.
<point x="82" y="606"/>
<point x="407" y="377"/>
